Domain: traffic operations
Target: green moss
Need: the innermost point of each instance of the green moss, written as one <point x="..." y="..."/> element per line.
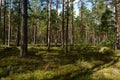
<point x="81" y="63"/>
<point x="107" y="74"/>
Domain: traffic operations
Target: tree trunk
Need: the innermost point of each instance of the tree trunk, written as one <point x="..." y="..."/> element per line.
<point x="56" y="32"/>
<point x="67" y="24"/>
<point x="47" y="20"/>
<point x="4" y="35"/>
<point x="9" y="27"/>
<point x="49" y="26"/>
<point x="81" y="21"/>
<point x="18" y="28"/>
<point x="72" y="40"/>
<point x="35" y="33"/>
<point x="0" y="18"/>
<point x="63" y="24"/>
<point x="23" y="51"/>
<point x="116" y="27"/>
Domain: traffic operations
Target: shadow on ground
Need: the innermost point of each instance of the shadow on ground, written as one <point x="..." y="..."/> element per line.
<point x="74" y="65"/>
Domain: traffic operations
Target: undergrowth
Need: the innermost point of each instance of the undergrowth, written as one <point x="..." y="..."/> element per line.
<point x="81" y="63"/>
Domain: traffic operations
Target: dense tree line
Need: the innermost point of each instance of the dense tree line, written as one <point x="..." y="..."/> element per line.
<point x="54" y="23"/>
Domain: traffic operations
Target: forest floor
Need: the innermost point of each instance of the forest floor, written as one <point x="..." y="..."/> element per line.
<point x="81" y="63"/>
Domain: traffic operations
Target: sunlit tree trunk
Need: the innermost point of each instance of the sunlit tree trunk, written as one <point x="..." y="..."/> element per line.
<point x="49" y="25"/>
<point x="56" y="32"/>
<point x="9" y="26"/>
<point x="116" y="27"/>
<point x="63" y="24"/>
<point x="18" y="27"/>
<point x="81" y="21"/>
<point x="23" y="51"/>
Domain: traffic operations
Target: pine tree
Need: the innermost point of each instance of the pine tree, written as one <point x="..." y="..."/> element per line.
<point x="23" y="51"/>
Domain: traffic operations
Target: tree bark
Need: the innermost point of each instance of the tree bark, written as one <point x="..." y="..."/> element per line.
<point x="72" y="40"/>
<point x="0" y="18"/>
<point x="56" y="32"/>
<point x="4" y="31"/>
<point x="23" y="51"/>
<point x="67" y="24"/>
<point x="35" y="33"/>
<point x="19" y="22"/>
<point x="81" y="21"/>
<point x="49" y="26"/>
<point x="9" y="27"/>
<point x="63" y="24"/>
<point x="116" y="27"/>
<point x="47" y="22"/>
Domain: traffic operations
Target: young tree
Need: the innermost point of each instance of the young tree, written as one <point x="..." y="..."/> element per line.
<point x="23" y="51"/>
<point x="107" y="25"/>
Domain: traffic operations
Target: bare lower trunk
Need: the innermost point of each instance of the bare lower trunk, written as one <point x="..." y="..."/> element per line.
<point x="67" y="22"/>
<point x="56" y="32"/>
<point x="23" y="51"/>
<point x="9" y="27"/>
<point x="63" y="24"/>
<point x="116" y="27"/>
<point x="35" y="33"/>
<point x="72" y="40"/>
<point x="49" y="26"/>
<point x="0" y="19"/>
<point x="19" y="22"/>
<point x="47" y="22"/>
<point x="4" y="35"/>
